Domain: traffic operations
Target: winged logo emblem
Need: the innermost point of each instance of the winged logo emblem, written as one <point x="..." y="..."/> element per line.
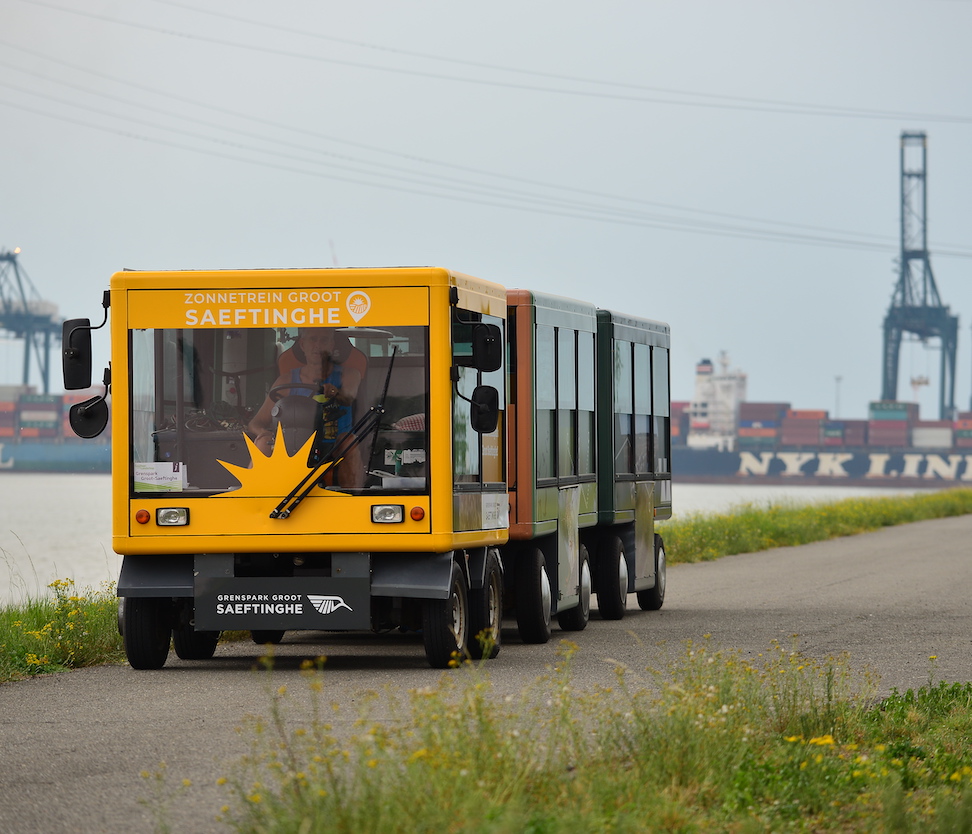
<point x="328" y="605"/>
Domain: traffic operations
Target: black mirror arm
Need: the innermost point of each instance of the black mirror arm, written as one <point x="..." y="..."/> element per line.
<point x="105" y="303"/>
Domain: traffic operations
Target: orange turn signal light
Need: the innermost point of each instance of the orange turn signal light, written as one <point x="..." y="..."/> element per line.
<point x="143" y="516"/>
<point x="417" y="513"/>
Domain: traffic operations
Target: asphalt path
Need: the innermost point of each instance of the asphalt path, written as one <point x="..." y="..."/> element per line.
<point x="73" y="745"/>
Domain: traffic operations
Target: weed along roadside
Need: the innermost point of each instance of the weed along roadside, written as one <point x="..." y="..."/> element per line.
<point x="775" y="743"/>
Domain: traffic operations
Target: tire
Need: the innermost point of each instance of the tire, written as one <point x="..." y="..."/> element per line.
<point x="146" y="631"/>
<point x="576" y="618"/>
<point x="261" y="638"/>
<point x="190" y="644"/>
<point x="533" y="596"/>
<point x="486" y="610"/>
<point x="651" y="599"/>
<point x="612" y="578"/>
<point x="445" y="623"/>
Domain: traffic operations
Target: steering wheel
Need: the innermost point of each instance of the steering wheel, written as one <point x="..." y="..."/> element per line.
<point x="276" y="393"/>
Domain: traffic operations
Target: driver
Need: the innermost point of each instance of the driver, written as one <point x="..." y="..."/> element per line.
<point x="331" y="373"/>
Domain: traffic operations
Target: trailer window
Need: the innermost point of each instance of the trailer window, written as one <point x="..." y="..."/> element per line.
<point x="661" y="398"/>
<point x="642" y="409"/>
<point x="546" y="394"/>
<point x="623" y="404"/>
<point x="585" y="403"/>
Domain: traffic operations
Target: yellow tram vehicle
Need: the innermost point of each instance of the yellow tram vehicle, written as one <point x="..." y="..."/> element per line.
<point x="365" y="449"/>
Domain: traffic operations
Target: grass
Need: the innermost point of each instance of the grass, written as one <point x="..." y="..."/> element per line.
<point x="749" y="528"/>
<point x="718" y="742"/>
<point x="68" y="629"/>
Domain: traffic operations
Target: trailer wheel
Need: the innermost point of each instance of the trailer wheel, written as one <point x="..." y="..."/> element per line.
<point x="576" y="619"/>
<point x="612" y="578"/>
<point x="261" y="638"/>
<point x="445" y="623"/>
<point x="486" y="610"/>
<point x="651" y="599"/>
<point x="190" y="644"/>
<point x="533" y="596"/>
<point x="146" y="631"/>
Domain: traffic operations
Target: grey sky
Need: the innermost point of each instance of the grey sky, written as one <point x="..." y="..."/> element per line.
<point x="174" y="134"/>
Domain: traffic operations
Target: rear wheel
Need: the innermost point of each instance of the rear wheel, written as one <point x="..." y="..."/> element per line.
<point x="190" y="644"/>
<point x="576" y="619"/>
<point x="486" y="611"/>
<point x="445" y="623"/>
<point x="146" y="631"/>
<point x="612" y="578"/>
<point x="261" y="638"/>
<point x="533" y="596"/>
<point x="652" y="599"/>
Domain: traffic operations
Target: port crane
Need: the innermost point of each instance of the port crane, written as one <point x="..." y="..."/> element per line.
<point x="24" y="315"/>
<point x="916" y="306"/>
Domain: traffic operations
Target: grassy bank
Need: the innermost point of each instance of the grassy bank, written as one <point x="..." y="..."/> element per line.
<point x="74" y="627"/>
<point x="749" y="528"/>
<point x="67" y="629"/>
<point x="719" y="743"/>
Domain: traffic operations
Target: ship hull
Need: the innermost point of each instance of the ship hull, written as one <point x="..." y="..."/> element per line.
<point x="53" y="456"/>
<point x="899" y="468"/>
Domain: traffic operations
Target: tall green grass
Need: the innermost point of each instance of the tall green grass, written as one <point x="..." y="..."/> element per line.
<point x="68" y="629"/>
<point x="750" y="528"/>
<point x="717" y="742"/>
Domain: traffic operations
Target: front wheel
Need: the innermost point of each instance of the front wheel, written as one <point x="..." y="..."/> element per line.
<point x="261" y="638"/>
<point x="576" y="619"/>
<point x="652" y="599"/>
<point x="445" y="622"/>
<point x="486" y="611"/>
<point x="146" y="631"/>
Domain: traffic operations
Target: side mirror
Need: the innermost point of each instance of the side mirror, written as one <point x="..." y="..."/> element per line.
<point x="76" y="354"/>
<point x="88" y="419"/>
<point x="484" y="413"/>
<point x="487" y="347"/>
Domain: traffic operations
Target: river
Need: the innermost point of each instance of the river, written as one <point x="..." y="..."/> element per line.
<point x="55" y="526"/>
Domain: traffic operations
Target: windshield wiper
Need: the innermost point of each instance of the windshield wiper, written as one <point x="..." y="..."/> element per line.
<point x="317" y="462"/>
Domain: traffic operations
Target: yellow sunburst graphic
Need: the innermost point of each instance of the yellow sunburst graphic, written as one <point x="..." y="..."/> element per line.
<point x="275" y="475"/>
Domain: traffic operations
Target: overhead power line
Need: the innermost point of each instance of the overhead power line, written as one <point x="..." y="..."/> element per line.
<point x="715" y="102"/>
<point x="883" y="240"/>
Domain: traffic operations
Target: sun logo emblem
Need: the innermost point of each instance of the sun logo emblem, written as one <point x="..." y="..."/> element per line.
<point x="359" y="304"/>
<point x="275" y="475"/>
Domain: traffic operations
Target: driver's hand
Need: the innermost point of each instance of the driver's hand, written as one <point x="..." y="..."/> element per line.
<point x="264" y="442"/>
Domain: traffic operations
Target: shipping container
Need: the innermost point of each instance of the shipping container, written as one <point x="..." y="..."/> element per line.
<point x="763" y="411"/>
<point x="804" y="414"/>
<point x="931" y="437"/>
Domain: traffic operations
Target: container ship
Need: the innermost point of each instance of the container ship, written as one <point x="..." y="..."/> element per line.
<point x="720" y="437"/>
<point x="36" y="436"/>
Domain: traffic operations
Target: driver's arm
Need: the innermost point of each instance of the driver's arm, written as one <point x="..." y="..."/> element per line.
<point x="260" y="427"/>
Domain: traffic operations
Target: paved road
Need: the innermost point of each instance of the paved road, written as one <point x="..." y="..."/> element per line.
<point x="72" y="745"/>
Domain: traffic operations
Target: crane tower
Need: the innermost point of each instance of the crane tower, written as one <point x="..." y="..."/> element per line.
<point x="25" y="316"/>
<point x="916" y="307"/>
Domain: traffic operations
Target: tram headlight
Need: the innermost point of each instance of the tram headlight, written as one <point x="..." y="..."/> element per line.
<point x="387" y="513"/>
<point x="172" y="516"/>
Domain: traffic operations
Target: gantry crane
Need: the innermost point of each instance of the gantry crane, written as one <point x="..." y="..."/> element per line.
<point x="24" y="315"/>
<point x="916" y="307"/>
